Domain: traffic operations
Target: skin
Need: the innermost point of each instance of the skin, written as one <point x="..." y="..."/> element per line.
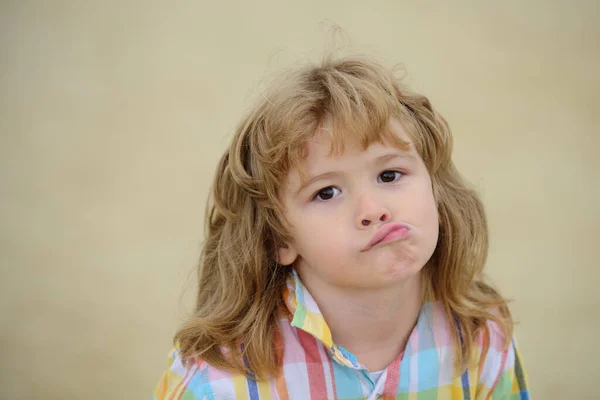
<point x="371" y="298"/>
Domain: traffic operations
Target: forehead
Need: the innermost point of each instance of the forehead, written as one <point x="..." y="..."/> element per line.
<point x="323" y="151"/>
<point x="323" y="145"/>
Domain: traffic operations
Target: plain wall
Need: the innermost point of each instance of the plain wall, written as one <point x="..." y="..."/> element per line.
<point x="113" y="116"/>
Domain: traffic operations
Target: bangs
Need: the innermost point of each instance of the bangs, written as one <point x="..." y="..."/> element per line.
<point x="351" y="102"/>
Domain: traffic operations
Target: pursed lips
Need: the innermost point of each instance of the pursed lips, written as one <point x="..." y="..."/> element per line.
<point x="388" y="233"/>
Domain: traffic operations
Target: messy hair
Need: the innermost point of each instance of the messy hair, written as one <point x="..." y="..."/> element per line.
<point x="239" y="280"/>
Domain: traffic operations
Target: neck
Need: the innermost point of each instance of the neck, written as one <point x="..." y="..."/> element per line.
<point x="372" y="324"/>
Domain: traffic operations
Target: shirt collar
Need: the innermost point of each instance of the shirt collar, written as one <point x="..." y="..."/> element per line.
<point x="307" y="317"/>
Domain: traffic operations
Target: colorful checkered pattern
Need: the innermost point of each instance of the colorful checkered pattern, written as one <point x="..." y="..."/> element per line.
<point x="314" y="368"/>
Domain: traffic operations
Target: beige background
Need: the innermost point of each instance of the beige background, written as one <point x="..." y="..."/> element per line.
<point x="112" y="117"/>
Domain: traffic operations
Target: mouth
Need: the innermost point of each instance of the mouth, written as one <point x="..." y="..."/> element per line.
<point x="388" y="233"/>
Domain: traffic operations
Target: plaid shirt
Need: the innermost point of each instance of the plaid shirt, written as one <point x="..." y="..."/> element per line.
<point x="314" y="368"/>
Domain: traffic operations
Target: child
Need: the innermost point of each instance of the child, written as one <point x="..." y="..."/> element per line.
<point x="344" y="256"/>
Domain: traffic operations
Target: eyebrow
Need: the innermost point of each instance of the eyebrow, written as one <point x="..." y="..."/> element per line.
<point x="311" y="180"/>
<point x="379" y="160"/>
<point x="387" y="157"/>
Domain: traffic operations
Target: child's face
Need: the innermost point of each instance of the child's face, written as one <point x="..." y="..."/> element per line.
<point x="350" y="200"/>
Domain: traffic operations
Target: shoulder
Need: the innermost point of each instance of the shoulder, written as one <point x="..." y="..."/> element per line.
<point x="182" y="379"/>
<point x="495" y="367"/>
<point x="501" y="370"/>
<point x="193" y="379"/>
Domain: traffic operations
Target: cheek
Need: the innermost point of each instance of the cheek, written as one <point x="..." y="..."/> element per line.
<point x="432" y="214"/>
<point x="320" y="237"/>
<point x="432" y="224"/>
<point x="425" y="212"/>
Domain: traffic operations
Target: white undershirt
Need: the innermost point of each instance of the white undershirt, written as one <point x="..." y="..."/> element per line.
<point x="376" y="375"/>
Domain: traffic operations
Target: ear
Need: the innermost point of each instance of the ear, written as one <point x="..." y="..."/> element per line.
<point x="286" y="255"/>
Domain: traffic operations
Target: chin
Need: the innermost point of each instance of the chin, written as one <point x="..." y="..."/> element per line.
<point x="402" y="270"/>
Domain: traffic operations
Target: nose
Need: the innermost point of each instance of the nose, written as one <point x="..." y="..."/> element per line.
<point x="370" y="211"/>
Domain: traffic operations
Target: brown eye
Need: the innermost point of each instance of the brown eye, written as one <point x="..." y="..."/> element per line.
<point x="389" y="176"/>
<point x="327" y="193"/>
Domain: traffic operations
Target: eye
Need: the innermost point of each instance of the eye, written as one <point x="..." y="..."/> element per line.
<point x="389" y="176"/>
<point x="327" y="193"/>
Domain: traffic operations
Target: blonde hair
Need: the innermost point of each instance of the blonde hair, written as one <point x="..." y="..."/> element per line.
<point x="240" y="283"/>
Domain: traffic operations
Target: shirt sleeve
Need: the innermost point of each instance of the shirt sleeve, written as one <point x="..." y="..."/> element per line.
<point x="179" y="382"/>
<point x="512" y="382"/>
<point x="503" y="375"/>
